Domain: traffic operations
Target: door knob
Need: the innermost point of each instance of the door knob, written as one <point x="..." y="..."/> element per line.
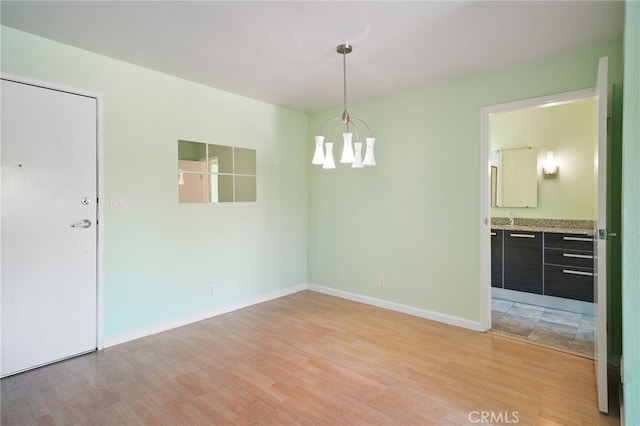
<point x="83" y="224"/>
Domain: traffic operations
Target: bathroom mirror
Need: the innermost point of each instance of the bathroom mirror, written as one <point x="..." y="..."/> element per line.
<point x="209" y="173"/>
<point x="514" y="177"/>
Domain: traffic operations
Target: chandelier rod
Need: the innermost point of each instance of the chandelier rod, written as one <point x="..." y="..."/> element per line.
<point x="344" y="49"/>
<point x="344" y="77"/>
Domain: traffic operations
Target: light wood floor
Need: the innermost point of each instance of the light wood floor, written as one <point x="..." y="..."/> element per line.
<point x="309" y="358"/>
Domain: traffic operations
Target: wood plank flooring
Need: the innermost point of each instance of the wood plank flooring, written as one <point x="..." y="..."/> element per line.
<point x="309" y="358"/>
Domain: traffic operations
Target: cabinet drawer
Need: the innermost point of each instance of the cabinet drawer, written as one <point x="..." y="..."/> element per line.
<point x="568" y="282"/>
<point x="581" y="242"/>
<point x="578" y="259"/>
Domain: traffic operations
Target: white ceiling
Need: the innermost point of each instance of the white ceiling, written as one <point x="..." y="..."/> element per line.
<point x="283" y="52"/>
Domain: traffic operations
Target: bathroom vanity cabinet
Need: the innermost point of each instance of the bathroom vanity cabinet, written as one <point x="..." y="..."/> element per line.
<point x="545" y="263"/>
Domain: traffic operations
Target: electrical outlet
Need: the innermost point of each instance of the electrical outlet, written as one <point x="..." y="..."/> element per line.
<point x="212" y="289"/>
<point x="380" y="280"/>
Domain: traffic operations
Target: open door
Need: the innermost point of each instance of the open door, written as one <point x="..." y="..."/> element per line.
<point x="601" y="235"/>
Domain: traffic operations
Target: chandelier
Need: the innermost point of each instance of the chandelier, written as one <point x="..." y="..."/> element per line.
<point x="351" y="152"/>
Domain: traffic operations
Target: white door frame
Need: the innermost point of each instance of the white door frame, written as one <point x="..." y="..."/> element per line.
<point x="100" y="192"/>
<point x="485" y="176"/>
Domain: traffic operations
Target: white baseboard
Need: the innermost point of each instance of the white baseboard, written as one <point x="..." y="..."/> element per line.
<point x="127" y="336"/>
<point x="398" y="307"/>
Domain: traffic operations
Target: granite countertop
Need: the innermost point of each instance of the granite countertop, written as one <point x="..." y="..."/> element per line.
<point x="544" y="225"/>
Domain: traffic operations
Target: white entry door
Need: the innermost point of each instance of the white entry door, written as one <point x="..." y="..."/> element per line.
<point x="600" y="265"/>
<point x="49" y="232"/>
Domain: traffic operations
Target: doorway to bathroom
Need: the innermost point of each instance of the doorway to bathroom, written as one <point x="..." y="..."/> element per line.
<point x="551" y="257"/>
<point x="542" y="210"/>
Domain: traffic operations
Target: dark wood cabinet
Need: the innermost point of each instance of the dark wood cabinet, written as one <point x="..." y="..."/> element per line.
<point x="568" y="266"/>
<point x="546" y="263"/>
<point x="523" y="261"/>
<point x="496" y="258"/>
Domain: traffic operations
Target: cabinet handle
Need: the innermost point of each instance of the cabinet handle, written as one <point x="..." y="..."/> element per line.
<point x="569" y="271"/>
<point x="493" y="233"/>
<point x="522" y="235"/>
<point x="579" y="256"/>
<point x="587" y="239"/>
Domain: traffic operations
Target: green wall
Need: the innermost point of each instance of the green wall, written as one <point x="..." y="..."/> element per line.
<point x="160" y="256"/>
<point x="416" y="216"/>
<point x="630" y="222"/>
<point x="570" y="131"/>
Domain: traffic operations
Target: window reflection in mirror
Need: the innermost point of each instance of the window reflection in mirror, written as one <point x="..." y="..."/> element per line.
<point x="193" y="182"/>
<point x="209" y="173"/>
<point x="222" y="157"/>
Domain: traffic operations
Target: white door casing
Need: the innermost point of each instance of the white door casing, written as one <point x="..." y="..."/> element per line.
<point x="49" y="268"/>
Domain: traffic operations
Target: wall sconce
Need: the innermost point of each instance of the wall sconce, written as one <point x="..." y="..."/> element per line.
<point x="550" y="168"/>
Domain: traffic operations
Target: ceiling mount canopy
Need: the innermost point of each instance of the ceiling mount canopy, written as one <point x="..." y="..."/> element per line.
<point x="351" y="152"/>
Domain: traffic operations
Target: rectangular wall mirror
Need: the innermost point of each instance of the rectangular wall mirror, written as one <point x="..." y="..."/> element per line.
<point x="209" y="173"/>
<point x="514" y="178"/>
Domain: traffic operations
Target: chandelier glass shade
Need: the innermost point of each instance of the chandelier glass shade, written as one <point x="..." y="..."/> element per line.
<point x="351" y="151"/>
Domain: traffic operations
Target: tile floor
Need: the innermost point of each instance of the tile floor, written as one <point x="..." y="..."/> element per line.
<point x="569" y="331"/>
